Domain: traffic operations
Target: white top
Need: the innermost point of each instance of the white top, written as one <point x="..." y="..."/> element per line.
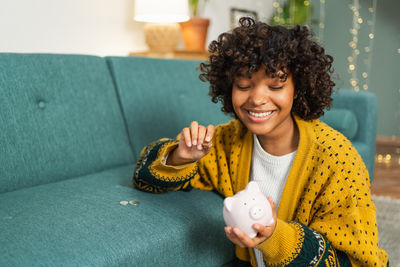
<point x="270" y="172"/>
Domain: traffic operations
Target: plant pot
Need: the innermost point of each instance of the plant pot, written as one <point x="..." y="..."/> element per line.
<point x="194" y="32"/>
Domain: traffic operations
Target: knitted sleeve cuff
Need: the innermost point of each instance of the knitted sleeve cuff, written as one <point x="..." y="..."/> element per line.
<point x="163" y="156"/>
<point x="294" y="244"/>
<point x="153" y="175"/>
<point x="284" y="244"/>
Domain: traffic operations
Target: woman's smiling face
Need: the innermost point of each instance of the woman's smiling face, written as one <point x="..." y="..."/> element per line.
<point x="263" y="103"/>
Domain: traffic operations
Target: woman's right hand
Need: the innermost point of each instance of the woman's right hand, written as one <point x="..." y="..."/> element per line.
<point x="195" y="142"/>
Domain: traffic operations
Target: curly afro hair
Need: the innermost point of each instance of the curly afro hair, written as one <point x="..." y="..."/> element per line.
<point x="253" y="44"/>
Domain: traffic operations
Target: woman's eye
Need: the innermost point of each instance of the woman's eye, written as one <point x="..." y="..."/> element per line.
<point x="276" y="88"/>
<point x="242" y="87"/>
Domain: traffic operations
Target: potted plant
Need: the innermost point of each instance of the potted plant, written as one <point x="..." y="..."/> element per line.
<point x="195" y="30"/>
<point x="294" y="12"/>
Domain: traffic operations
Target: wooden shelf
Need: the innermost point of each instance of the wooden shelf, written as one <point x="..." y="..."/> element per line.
<point x="388" y="145"/>
<point x="178" y="54"/>
<point x="387" y="169"/>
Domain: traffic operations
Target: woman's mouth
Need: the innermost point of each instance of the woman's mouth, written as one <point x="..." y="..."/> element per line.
<point x="259" y="116"/>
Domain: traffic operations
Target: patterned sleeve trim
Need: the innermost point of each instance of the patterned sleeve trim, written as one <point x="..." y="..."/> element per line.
<point x="152" y="175"/>
<point x="316" y="250"/>
<point x="284" y="245"/>
<point x="294" y="244"/>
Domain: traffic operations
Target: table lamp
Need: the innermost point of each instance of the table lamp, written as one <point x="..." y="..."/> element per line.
<point x="161" y="30"/>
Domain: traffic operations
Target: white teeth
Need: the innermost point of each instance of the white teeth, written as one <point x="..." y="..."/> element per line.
<point x="259" y="115"/>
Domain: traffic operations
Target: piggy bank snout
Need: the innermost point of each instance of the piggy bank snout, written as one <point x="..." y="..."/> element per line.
<point x="257" y="212"/>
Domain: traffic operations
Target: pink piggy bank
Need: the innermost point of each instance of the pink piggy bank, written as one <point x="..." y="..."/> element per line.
<point x="246" y="208"/>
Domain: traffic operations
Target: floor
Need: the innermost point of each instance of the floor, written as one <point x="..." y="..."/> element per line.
<point x="387" y="168"/>
<point x="386" y="179"/>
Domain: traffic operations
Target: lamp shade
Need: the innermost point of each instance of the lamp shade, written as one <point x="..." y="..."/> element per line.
<point x="161" y="11"/>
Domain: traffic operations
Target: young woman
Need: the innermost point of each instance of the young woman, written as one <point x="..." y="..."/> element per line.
<point x="276" y="82"/>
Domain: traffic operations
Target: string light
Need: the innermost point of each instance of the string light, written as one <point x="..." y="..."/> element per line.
<point x="288" y="18"/>
<point x="387" y="159"/>
<point x="368" y="49"/>
<point x="291" y="11"/>
<point x="398" y="115"/>
<point x="353" y="44"/>
<point x="308" y="4"/>
<point x="356" y="52"/>
<point x="321" y="25"/>
<point x="277" y="5"/>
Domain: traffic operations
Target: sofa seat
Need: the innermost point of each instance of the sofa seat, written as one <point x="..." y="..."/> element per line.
<point x="80" y="222"/>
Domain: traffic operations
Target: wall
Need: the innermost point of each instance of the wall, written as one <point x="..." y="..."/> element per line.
<point x="384" y="74"/>
<point x="219" y="13"/>
<point x="98" y="27"/>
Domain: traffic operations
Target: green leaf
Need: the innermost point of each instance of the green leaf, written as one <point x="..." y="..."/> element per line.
<point x="293" y="12"/>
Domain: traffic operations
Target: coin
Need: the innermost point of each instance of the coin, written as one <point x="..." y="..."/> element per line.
<point x="134" y="202"/>
<point x="207" y="144"/>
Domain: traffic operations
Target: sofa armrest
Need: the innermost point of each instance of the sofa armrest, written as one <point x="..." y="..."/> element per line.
<point x="365" y="107"/>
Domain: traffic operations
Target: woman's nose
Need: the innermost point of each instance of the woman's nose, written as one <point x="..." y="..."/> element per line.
<point x="259" y="96"/>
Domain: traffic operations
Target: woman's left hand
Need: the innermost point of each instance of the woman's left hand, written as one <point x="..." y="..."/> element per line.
<point x="240" y="238"/>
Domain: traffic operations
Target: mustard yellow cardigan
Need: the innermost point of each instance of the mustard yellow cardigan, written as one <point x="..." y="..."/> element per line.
<point x="326" y="216"/>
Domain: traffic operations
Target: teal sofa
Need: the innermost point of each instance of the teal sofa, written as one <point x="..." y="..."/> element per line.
<point x="72" y="128"/>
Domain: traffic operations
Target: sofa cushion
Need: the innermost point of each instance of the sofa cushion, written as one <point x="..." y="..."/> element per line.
<point x="60" y="118"/>
<point x="342" y="120"/>
<point x="80" y="222"/>
<point x="160" y="97"/>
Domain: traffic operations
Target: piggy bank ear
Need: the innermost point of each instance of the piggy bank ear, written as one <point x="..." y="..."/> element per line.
<point x="252" y="187"/>
<point x="228" y="203"/>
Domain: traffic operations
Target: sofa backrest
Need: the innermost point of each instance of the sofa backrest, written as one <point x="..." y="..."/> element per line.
<point x="59" y="118"/>
<point x="355" y="115"/>
<point x="60" y="115"/>
<point x="160" y="97"/>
